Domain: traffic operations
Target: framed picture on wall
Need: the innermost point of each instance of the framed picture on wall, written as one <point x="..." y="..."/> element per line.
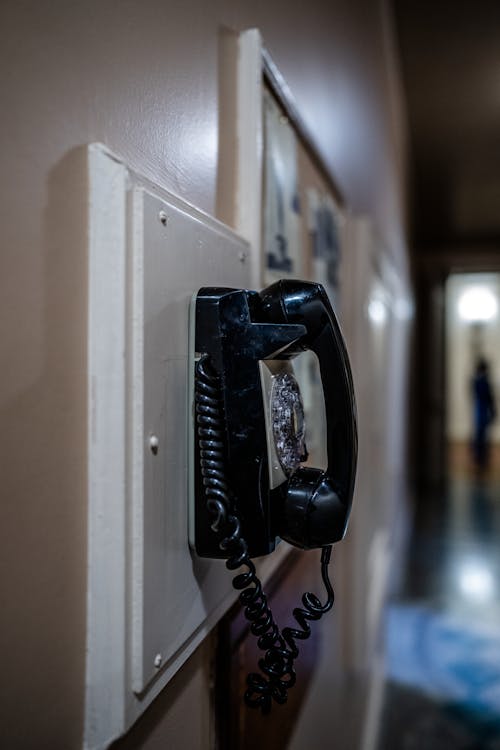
<point x="324" y="219"/>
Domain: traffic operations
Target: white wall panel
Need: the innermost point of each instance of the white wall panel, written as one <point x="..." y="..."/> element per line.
<point x="150" y="599"/>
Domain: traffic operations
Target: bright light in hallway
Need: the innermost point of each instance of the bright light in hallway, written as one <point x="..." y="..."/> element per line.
<point x="377" y="311"/>
<point x="477" y="304"/>
<point x="476" y="581"/>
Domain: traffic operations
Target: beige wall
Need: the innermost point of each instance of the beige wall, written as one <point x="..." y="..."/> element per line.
<point x="143" y="78"/>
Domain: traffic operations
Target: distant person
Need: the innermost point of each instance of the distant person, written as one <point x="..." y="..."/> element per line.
<point x="484" y="413"/>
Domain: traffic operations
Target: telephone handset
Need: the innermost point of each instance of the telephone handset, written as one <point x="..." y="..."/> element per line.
<point x="251" y="485"/>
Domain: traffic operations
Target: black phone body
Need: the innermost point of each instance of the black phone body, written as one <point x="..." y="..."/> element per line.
<point x="239" y="331"/>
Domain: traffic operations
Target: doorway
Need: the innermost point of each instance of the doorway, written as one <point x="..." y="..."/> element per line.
<point x="472" y="374"/>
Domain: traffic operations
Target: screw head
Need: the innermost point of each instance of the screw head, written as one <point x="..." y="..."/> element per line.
<point x="158" y="660"/>
<point x="153" y="444"/>
<point x="163" y="218"/>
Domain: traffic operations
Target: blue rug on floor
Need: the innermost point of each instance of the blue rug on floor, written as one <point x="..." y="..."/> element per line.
<point x="453" y="661"/>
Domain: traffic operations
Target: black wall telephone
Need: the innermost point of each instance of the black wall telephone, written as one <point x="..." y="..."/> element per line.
<point x="251" y="487"/>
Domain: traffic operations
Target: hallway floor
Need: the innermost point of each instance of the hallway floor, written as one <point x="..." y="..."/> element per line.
<point x="442" y="631"/>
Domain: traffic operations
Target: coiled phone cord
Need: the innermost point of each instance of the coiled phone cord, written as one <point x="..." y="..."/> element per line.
<point x="277" y="664"/>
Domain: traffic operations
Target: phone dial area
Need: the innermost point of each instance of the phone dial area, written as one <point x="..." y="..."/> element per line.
<point x="295" y="419"/>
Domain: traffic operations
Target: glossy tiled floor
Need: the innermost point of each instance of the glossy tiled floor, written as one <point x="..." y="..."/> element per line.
<point x="443" y="630"/>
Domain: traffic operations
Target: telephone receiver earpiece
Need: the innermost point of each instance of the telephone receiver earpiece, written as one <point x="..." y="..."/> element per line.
<point x="316" y="504"/>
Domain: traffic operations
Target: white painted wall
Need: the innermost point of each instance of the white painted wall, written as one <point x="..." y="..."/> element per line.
<point x="144" y="79"/>
<point x="460" y="348"/>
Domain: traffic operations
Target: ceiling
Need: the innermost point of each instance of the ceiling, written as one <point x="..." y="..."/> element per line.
<point x="450" y="53"/>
